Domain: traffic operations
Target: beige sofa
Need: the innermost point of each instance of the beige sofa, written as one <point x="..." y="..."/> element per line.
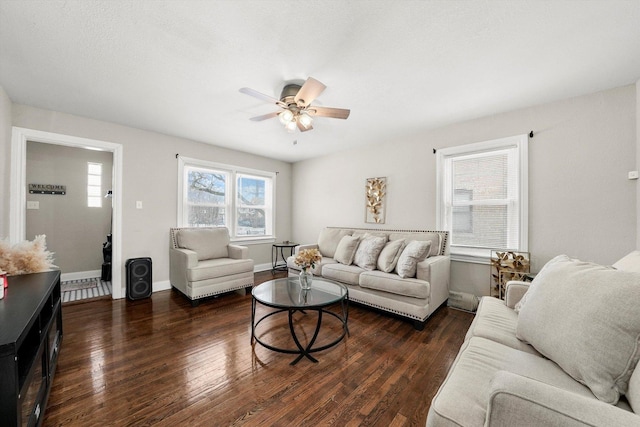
<point x="371" y="275"/>
<point x="563" y="355"/>
<point x="204" y="263"/>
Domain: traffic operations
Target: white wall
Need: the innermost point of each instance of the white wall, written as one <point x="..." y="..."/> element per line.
<point x="62" y="218"/>
<point x="5" y="161"/>
<point x="150" y="176"/>
<point x="637" y="162"/>
<point x="580" y="200"/>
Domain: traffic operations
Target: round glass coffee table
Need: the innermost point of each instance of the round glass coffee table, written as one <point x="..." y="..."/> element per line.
<point x="286" y="296"/>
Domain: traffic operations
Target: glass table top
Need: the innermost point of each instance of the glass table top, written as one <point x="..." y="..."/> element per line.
<point x="286" y="293"/>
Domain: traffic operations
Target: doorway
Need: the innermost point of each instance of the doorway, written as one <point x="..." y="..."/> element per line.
<point x="68" y="202"/>
<point x="18" y="211"/>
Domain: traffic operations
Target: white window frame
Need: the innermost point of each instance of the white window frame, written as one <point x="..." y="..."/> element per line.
<point x="444" y="192"/>
<point x="231" y="197"/>
<point x="94" y="200"/>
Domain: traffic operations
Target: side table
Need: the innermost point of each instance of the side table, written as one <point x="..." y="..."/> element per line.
<point x="277" y="254"/>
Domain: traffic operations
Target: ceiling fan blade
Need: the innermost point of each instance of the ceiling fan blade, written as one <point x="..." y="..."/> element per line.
<point x="334" y="113"/>
<point x="302" y="128"/>
<point x="262" y="96"/>
<point x="309" y="91"/>
<point x="264" y="116"/>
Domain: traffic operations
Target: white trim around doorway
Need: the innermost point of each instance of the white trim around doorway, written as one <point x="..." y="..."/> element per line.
<point x="18" y="185"/>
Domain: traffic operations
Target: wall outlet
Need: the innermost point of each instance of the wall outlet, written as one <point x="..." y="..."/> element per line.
<point x="633" y="175"/>
<point x="32" y="204"/>
<point x="139" y="204"/>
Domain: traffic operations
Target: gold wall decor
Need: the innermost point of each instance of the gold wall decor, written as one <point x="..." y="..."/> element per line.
<point x="506" y="266"/>
<point x="376" y="190"/>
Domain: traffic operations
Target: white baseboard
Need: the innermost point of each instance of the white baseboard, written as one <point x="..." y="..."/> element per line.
<point x="165" y="285"/>
<point x="79" y="275"/>
<point x="261" y="267"/>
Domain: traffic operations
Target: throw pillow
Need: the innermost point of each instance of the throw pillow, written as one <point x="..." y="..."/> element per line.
<point x="412" y="254"/>
<point x="538" y="277"/>
<point x="368" y="252"/>
<point x="346" y="249"/>
<point x="585" y="318"/>
<point x="328" y="240"/>
<point x="388" y="258"/>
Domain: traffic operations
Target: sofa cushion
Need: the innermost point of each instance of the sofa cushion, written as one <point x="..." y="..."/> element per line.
<point x="346" y="249"/>
<point x="208" y="243"/>
<point x="342" y="273"/>
<point x="434" y="238"/>
<point x="364" y="234"/>
<point x="218" y="267"/>
<point x="388" y="258"/>
<point x="412" y="254"/>
<point x="329" y="239"/>
<point x="368" y="251"/>
<point x="497" y="322"/>
<point x="585" y="317"/>
<point x="464" y="395"/>
<point x="389" y="282"/>
<point x="630" y="262"/>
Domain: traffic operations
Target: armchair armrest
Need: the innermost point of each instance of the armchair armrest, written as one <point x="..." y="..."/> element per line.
<point x="185" y="258"/>
<point x="515" y="290"/>
<point x="238" y="252"/>
<point x="519" y="401"/>
<point x="181" y="260"/>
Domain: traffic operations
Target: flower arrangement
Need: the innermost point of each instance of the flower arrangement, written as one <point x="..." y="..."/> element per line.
<point x="307" y="258"/>
<point x="25" y="257"/>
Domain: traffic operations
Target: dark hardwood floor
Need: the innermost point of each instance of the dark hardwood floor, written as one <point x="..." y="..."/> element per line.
<point x="158" y="361"/>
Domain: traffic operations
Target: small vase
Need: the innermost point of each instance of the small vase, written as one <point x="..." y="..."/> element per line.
<point x="306" y="277"/>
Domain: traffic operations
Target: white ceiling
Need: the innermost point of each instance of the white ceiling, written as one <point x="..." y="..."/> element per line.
<point x="402" y="67"/>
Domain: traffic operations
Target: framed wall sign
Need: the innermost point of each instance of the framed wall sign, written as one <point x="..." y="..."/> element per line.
<point x="47" y="189"/>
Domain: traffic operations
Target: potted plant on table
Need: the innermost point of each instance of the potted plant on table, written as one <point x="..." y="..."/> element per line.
<point x="306" y="260"/>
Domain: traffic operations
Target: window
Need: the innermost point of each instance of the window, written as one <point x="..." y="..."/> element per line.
<point x="218" y="195"/>
<point x="253" y="209"/>
<point x="482" y="197"/>
<point x="206" y="197"/>
<point x="94" y="185"/>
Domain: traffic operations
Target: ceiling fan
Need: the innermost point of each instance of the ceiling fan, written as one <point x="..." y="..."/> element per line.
<point x="295" y="102"/>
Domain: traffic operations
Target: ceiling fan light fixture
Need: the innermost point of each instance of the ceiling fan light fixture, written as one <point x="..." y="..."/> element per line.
<point x="305" y="120"/>
<point x="295" y="103"/>
<point x="286" y="117"/>
<point x="291" y="126"/>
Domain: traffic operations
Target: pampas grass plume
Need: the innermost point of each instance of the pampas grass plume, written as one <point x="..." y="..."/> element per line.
<point x="26" y="257"/>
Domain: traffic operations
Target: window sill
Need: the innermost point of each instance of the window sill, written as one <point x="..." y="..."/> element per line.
<point x="473" y="259"/>
<point x="252" y="241"/>
<point x="473" y="255"/>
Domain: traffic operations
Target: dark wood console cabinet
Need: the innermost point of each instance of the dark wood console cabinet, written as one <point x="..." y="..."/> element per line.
<point x="30" y="337"/>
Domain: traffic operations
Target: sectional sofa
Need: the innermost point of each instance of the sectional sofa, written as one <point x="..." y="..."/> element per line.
<point x="561" y="351"/>
<point x="404" y="272"/>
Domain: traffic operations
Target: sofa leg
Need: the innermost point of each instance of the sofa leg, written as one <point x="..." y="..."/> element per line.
<point x="195" y="302"/>
<point x="418" y="325"/>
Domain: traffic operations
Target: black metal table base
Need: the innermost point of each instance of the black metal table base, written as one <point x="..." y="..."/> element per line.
<point x="301" y="350"/>
<point x="276" y="265"/>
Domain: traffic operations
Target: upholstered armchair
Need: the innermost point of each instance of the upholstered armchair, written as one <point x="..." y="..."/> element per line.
<point x="203" y="263"/>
